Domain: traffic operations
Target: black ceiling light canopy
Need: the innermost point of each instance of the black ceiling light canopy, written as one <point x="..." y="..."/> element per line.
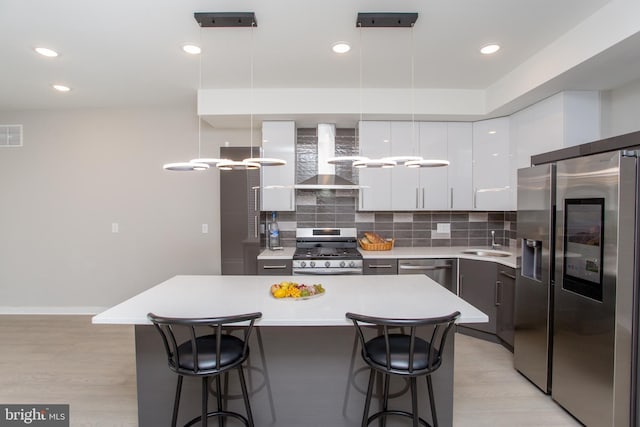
<point x="384" y="19"/>
<point x="226" y="19"/>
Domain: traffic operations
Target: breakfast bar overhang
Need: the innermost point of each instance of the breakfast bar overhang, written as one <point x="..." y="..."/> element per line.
<point x="304" y="369"/>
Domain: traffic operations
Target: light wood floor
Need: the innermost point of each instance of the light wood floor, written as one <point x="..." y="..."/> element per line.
<point x="66" y="359"/>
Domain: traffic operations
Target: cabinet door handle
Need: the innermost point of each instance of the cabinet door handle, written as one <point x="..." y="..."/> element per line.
<point x="510" y="276"/>
<point x="422" y="197"/>
<point x="417" y="189"/>
<point x="293" y="192"/>
<point x="380" y="266"/>
<point x="498" y="288"/>
<point x="255" y="200"/>
<point x="255" y="226"/>
<point x="475" y="198"/>
<point x="273" y="267"/>
<point x="451" y="198"/>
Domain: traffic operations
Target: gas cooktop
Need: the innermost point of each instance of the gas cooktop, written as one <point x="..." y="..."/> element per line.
<point x="323" y="252"/>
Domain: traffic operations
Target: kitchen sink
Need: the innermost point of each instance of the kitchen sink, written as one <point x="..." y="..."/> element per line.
<point x="486" y="252"/>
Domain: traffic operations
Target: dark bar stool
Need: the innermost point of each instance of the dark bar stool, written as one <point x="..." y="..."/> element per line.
<point x="403" y="354"/>
<point x="193" y="350"/>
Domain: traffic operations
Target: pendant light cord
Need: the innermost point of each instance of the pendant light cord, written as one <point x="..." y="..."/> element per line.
<point x="413" y="94"/>
<point x="199" y="88"/>
<point x="360" y="69"/>
<point x="251" y="102"/>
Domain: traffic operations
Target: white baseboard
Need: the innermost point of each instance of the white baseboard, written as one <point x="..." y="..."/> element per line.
<point x="52" y="310"/>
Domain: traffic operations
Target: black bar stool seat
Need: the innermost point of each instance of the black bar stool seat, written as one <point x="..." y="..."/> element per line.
<point x="404" y="354"/>
<point x="199" y="347"/>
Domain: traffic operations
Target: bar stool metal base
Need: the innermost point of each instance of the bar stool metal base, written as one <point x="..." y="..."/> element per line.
<point x="367" y="419"/>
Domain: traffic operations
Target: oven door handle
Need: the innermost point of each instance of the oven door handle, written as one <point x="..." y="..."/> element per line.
<point x="325" y="272"/>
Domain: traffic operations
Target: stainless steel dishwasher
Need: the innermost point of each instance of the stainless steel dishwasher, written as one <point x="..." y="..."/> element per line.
<point x="443" y="271"/>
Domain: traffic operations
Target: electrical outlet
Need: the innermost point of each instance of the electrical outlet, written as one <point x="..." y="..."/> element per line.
<point x="205" y="228"/>
<point x="443" y="227"/>
<point x="115" y="227"/>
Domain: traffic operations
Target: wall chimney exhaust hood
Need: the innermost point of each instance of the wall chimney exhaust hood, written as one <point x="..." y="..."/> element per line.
<point x="326" y="179"/>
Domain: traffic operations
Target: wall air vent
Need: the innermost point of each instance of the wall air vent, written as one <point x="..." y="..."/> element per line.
<point x="386" y="19"/>
<point x="10" y="136"/>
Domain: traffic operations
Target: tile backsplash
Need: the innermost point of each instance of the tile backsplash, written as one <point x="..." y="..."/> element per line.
<point x="337" y="208"/>
<point x="409" y="229"/>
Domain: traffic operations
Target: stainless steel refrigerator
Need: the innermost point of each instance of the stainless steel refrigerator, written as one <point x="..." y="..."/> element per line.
<point x="591" y="309"/>
<point x="534" y="292"/>
<point x="594" y="355"/>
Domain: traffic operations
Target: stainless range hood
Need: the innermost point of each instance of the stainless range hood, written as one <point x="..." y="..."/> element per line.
<point x="326" y="179"/>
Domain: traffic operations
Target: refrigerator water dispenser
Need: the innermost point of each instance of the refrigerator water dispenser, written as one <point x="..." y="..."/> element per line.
<point x="532" y="259"/>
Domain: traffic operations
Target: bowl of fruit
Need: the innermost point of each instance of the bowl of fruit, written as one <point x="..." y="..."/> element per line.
<point x="296" y="291"/>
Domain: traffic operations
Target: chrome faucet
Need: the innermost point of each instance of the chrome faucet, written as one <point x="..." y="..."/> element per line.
<point x="494" y="245"/>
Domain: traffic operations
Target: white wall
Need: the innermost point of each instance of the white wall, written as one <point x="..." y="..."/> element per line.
<point x="620" y="109"/>
<point x="81" y="171"/>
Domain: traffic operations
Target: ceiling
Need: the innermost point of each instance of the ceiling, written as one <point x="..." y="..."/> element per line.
<point x="124" y="53"/>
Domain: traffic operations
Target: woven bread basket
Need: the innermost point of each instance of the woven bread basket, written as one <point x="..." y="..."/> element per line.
<point x="368" y="246"/>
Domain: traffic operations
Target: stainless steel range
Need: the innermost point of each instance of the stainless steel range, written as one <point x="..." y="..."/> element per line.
<point x="325" y="251"/>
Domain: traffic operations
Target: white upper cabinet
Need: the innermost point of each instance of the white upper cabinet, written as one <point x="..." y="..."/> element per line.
<point x="493" y="169"/>
<point x="375" y="143"/>
<point x="404" y="181"/>
<point x="276" y="182"/>
<point x="406" y="189"/>
<point x="460" y="171"/>
<point x="433" y="191"/>
<point x="562" y="120"/>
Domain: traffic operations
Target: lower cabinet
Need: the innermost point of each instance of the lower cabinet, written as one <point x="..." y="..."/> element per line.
<point x="506" y="297"/>
<point x="380" y="266"/>
<point x="275" y="267"/>
<point x="477" y="282"/>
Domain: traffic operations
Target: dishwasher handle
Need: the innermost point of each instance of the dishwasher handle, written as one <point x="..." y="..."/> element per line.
<point x="425" y="267"/>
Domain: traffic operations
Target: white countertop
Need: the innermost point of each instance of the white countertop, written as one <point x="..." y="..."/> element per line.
<point x="284" y="253"/>
<point x="405" y="296"/>
<point x="414" y="252"/>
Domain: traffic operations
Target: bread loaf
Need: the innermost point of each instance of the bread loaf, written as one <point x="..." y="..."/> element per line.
<point x="374" y="237"/>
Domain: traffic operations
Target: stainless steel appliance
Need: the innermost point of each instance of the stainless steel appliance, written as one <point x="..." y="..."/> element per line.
<point x="326" y="251"/>
<point x="443" y="271"/>
<point x="593" y="309"/>
<point x="595" y="285"/>
<point x="534" y="294"/>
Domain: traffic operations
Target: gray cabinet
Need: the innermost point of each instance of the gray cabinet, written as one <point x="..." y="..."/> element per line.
<point x="239" y="214"/>
<point x="380" y="266"/>
<point x="506" y="282"/>
<point x="479" y="288"/>
<point x="274" y="267"/>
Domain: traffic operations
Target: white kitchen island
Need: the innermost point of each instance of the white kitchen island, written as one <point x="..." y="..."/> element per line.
<point x="312" y="377"/>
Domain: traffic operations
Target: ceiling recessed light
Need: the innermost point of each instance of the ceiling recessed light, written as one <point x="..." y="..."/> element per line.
<point x="46" y="52"/>
<point x="192" y="49"/>
<point x="61" y="88"/>
<point x="489" y="49"/>
<point x="341" y="47"/>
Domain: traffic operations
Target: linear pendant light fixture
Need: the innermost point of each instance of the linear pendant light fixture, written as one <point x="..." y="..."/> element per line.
<point x="259" y="161"/>
<point x="391" y="20"/>
<point x="418" y="162"/>
<point x="224" y="19"/>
